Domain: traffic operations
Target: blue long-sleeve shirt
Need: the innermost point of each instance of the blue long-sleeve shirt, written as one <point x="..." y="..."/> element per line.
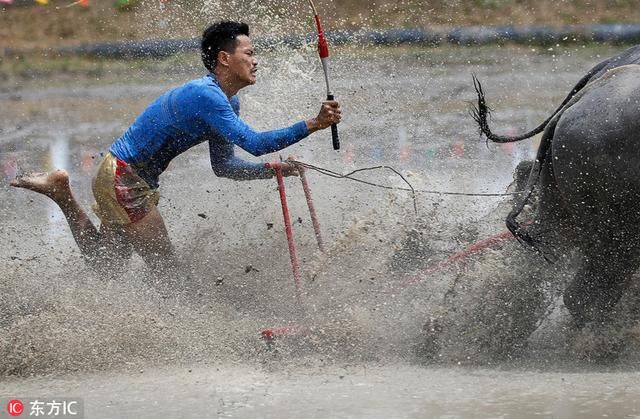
<point x="190" y="114"/>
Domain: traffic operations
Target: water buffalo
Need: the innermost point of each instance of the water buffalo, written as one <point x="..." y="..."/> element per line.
<point x="585" y="183"/>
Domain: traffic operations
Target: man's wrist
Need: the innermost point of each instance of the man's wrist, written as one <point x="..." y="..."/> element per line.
<point x="312" y="125"/>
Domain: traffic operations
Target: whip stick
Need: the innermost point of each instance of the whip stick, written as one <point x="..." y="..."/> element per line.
<point x="323" y="51"/>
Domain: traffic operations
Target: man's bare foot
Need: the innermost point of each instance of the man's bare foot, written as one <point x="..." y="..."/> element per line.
<point x="53" y="184"/>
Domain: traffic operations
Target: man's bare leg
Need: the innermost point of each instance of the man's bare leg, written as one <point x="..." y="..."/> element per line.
<point x="106" y="250"/>
<point x="55" y="185"/>
<point x="113" y="244"/>
<point x="150" y="239"/>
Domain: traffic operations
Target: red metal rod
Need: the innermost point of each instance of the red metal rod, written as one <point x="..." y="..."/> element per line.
<point x="269" y="335"/>
<point x="473" y="248"/>
<point x="288" y="229"/>
<point x="312" y="210"/>
<point x="273" y="332"/>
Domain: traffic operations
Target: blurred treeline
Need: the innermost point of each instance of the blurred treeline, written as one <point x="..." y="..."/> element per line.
<point x="65" y="22"/>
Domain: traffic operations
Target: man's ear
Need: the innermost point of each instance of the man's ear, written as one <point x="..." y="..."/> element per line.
<point x="223" y="58"/>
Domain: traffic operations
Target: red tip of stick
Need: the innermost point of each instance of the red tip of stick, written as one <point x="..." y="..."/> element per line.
<point x="318" y="25"/>
<point x="323" y="46"/>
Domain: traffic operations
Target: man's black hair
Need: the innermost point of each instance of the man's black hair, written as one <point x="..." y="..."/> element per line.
<point x="221" y="36"/>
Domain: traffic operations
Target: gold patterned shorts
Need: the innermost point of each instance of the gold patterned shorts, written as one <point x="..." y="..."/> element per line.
<point x="122" y="197"/>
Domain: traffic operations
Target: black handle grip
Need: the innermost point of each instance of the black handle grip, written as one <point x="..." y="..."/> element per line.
<point x="334" y="131"/>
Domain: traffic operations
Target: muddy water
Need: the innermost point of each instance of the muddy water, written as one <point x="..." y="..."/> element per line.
<point x="374" y="391"/>
<point x="127" y="352"/>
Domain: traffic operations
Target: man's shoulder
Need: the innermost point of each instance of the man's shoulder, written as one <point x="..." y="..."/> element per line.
<point x="202" y="87"/>
<point x="200" y="82"/>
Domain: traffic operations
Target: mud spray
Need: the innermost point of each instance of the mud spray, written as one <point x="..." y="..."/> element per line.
<point x="368" y="297"/>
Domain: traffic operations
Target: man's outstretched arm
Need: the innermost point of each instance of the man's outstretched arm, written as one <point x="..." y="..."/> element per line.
<point x="223" y="119"/>
<point x="225" y="163"/>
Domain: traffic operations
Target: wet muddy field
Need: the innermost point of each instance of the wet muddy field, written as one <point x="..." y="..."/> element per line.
<point x="370" y="304"/>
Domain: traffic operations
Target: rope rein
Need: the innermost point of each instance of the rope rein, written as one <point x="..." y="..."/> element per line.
<point x="409" y="187"/>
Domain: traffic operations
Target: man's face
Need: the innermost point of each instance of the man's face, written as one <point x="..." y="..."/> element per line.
<point x="242" y="62"/>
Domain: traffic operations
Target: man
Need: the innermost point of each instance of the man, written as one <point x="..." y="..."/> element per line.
<point x="126" y="183"/>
